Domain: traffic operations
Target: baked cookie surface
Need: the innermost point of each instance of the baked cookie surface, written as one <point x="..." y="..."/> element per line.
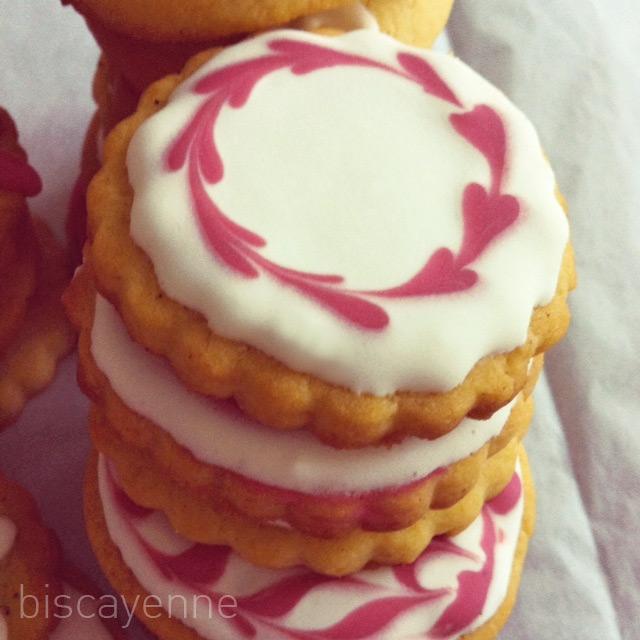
<point x="387" y="349"/>
<point x="141" y="555"/>
<point x="213" y="450"/>
<point x="34" y="332"/>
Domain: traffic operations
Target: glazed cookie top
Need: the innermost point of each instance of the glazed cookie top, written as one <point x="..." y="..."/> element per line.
<point x="375" y="215"/>
<point x="456" y="585"/>
<point x="163" y="20"/>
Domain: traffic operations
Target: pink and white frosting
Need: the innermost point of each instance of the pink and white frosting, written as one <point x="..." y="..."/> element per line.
<point x="219" y="434"/>
<point x="8" y="532"/>
<point x="370" y="213"/>
<point x="455" y="586"/>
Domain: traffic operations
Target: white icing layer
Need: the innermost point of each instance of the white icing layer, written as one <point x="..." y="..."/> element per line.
<point x="358" y="172"/>
<point x="217" y="433"/>
<point x="486" y="547"/>
<point x="78" y="618"/>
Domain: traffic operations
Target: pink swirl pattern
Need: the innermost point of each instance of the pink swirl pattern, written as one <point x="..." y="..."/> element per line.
<point x="201" y="568"/>
<point x="486" y="211"/>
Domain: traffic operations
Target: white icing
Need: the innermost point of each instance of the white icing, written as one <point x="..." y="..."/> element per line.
<point x="8" y="532"/>
<point x="219" y="434"/>
<point x="355" y="172"/>
<point x="324" y="604"/>
<point x="79" y="619"/>
<point x="348" y="18"/>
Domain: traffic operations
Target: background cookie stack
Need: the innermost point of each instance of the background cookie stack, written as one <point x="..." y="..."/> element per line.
<point x="259" y="444"/>
<point x="34" y="333"/>
<point x="144" y="41"/>
<point x="38" y="591"/>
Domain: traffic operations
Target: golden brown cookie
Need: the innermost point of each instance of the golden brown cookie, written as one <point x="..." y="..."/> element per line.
<point x="243" y="616"/>
<point x="275" y="545"/>
<point x="145" y="41"/>
<point x="44" y="337"/>
<point x="29" y="565"/>
<point x="266" y="389"/>
<point x="40" y="597"/>
<point x="126" y="436"/>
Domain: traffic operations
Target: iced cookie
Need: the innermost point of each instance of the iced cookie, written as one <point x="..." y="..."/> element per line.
<point x="459" y="587"/>
<point x="275" y="544"/>
<point x="130" y="64"/>
<point x="367" y="278"/>
<point x="150" y="422"/>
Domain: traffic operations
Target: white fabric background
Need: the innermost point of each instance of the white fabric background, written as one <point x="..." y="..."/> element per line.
<point x="573" y="67"/>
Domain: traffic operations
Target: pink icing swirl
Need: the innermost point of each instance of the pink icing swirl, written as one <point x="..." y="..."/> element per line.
<point x="202" y="567"/>
<point x="486" y="211"/>
<point x="18" y="176"/>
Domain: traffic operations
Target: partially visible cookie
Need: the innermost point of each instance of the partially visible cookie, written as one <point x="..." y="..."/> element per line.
<point x="41" y="598"/>
<point x="44" y="336"/>
<point x="29" y="565"/>
<point x="276" y="545"/>
<point x="204" y="591"/>
<point x="131" y="61"/>
<point x="282" y="295"/>
<point x="145" y="40"/>
<point x="34" y="270"/>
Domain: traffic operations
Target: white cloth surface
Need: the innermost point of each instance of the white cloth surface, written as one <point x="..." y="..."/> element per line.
<point x="573" y="68"/>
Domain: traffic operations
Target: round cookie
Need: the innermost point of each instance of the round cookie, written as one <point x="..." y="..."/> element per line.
<point x="44" y="337"/>
<point x="34" y="333"/>
<point x="40" y="598"/>
<point x="442" y="327"/>
<point x="29" y="564"/>
<point x="142" y="556"/>
<point x="213" y="450"/>
<point x="277" y="545"/>
<point x="18" y="252"/>
<point x="145" y="41"/>
<point x="130" y="65"/>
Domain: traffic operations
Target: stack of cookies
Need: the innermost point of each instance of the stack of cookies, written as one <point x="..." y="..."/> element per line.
<point x="145" y="40"/>
<point x="320" y="276"/>
<point x="34" y="332"/>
